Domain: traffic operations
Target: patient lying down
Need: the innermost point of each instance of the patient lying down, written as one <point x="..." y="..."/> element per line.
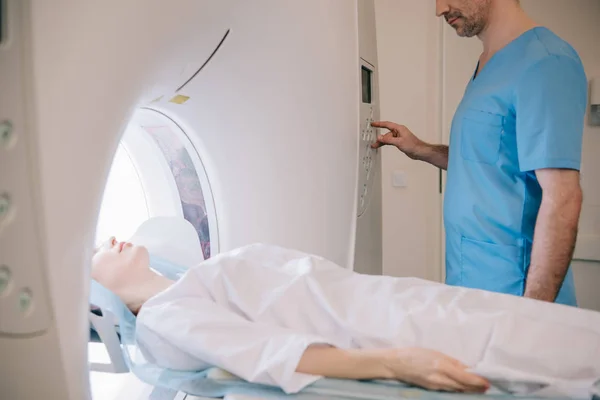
<point x="285" y="318"/>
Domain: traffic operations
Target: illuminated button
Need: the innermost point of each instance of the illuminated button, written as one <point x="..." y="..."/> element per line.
<point x="25" y="301"/>
<point x="5" y="277"/>
<point x="6" y="134"/>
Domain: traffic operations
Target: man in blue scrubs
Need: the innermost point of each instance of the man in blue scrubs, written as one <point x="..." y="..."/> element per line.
<point x="513" y="197"/>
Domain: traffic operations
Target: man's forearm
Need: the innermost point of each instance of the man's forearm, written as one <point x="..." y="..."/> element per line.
<point x="435" y="154"/>
<point x="553" y="246"/>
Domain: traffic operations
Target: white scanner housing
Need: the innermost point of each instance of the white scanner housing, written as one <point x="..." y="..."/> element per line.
<point x="271" y="94"/>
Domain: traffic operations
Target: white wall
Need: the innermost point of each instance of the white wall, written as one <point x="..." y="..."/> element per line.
<point x="408" y="69"/>
<point x="424" y="67"/>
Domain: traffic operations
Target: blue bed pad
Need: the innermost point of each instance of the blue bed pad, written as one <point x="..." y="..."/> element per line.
<point x="209" y="383"/>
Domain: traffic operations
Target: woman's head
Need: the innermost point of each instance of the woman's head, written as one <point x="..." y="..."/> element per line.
<point x="124" y="269"/>
<point x="116" y="265"/>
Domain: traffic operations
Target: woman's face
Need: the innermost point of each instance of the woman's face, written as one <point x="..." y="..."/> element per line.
<point x="119" y="263"/>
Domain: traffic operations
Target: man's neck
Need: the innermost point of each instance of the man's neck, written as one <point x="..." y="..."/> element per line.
<point x="507" y="21"/>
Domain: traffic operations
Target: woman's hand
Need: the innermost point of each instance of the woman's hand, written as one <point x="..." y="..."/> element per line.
<point x="415" y="366"/>
<point x="432" y="370"/>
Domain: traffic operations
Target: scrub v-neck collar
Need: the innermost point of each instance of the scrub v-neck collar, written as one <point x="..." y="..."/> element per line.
<point x="477" y="74"/>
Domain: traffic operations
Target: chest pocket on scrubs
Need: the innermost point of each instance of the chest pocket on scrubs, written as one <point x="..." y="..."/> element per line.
<point x="481" y="136"/>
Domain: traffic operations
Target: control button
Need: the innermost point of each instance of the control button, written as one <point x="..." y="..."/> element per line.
<point x="25" y="301"/>
<point x="6" y="134"/>
<point x="5" y="277"/>
<point x="5" y="208"/>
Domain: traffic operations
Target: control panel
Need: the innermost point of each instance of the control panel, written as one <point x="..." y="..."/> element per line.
<point x="367" y="155"/>
<point x="24" y="303"/>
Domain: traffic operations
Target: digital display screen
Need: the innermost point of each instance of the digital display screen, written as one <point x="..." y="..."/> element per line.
<point x="367" y="90"/>
<point x="2" y="24"/>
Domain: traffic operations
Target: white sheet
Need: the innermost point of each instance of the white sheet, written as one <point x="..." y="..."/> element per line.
<point x="253" y="311"/>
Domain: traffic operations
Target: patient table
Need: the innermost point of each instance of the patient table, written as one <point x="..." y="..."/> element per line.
<point x="114" y="325"/>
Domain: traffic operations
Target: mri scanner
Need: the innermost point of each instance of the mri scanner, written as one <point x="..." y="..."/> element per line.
<point x="268" y="100"/>
<point x="248" y="119"/>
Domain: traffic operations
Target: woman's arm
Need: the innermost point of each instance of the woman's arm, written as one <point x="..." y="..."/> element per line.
<point x="208" y="334"/>
<point x="421" y="367"/>
<point x="186" y="331"/>
<point x="344" y="364"/>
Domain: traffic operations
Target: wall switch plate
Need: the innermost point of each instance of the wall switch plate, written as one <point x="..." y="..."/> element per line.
<point x="399" y="179"/>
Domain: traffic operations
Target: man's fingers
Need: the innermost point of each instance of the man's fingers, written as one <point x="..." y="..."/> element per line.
<point x="384" y="124"/>
<point x="382" y="140"/>
<point x="376" y="145"/>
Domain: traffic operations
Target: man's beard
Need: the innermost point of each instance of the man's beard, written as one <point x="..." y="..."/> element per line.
<point x="470" y="26"/>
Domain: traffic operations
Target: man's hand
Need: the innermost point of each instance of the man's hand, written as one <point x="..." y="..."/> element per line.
<point x="405" y="141"/>
<point x="401" y="137"/>
<point x="555" y="232"/>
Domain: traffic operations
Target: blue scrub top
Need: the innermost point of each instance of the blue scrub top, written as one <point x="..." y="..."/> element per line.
<point x="523" y="111"/>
